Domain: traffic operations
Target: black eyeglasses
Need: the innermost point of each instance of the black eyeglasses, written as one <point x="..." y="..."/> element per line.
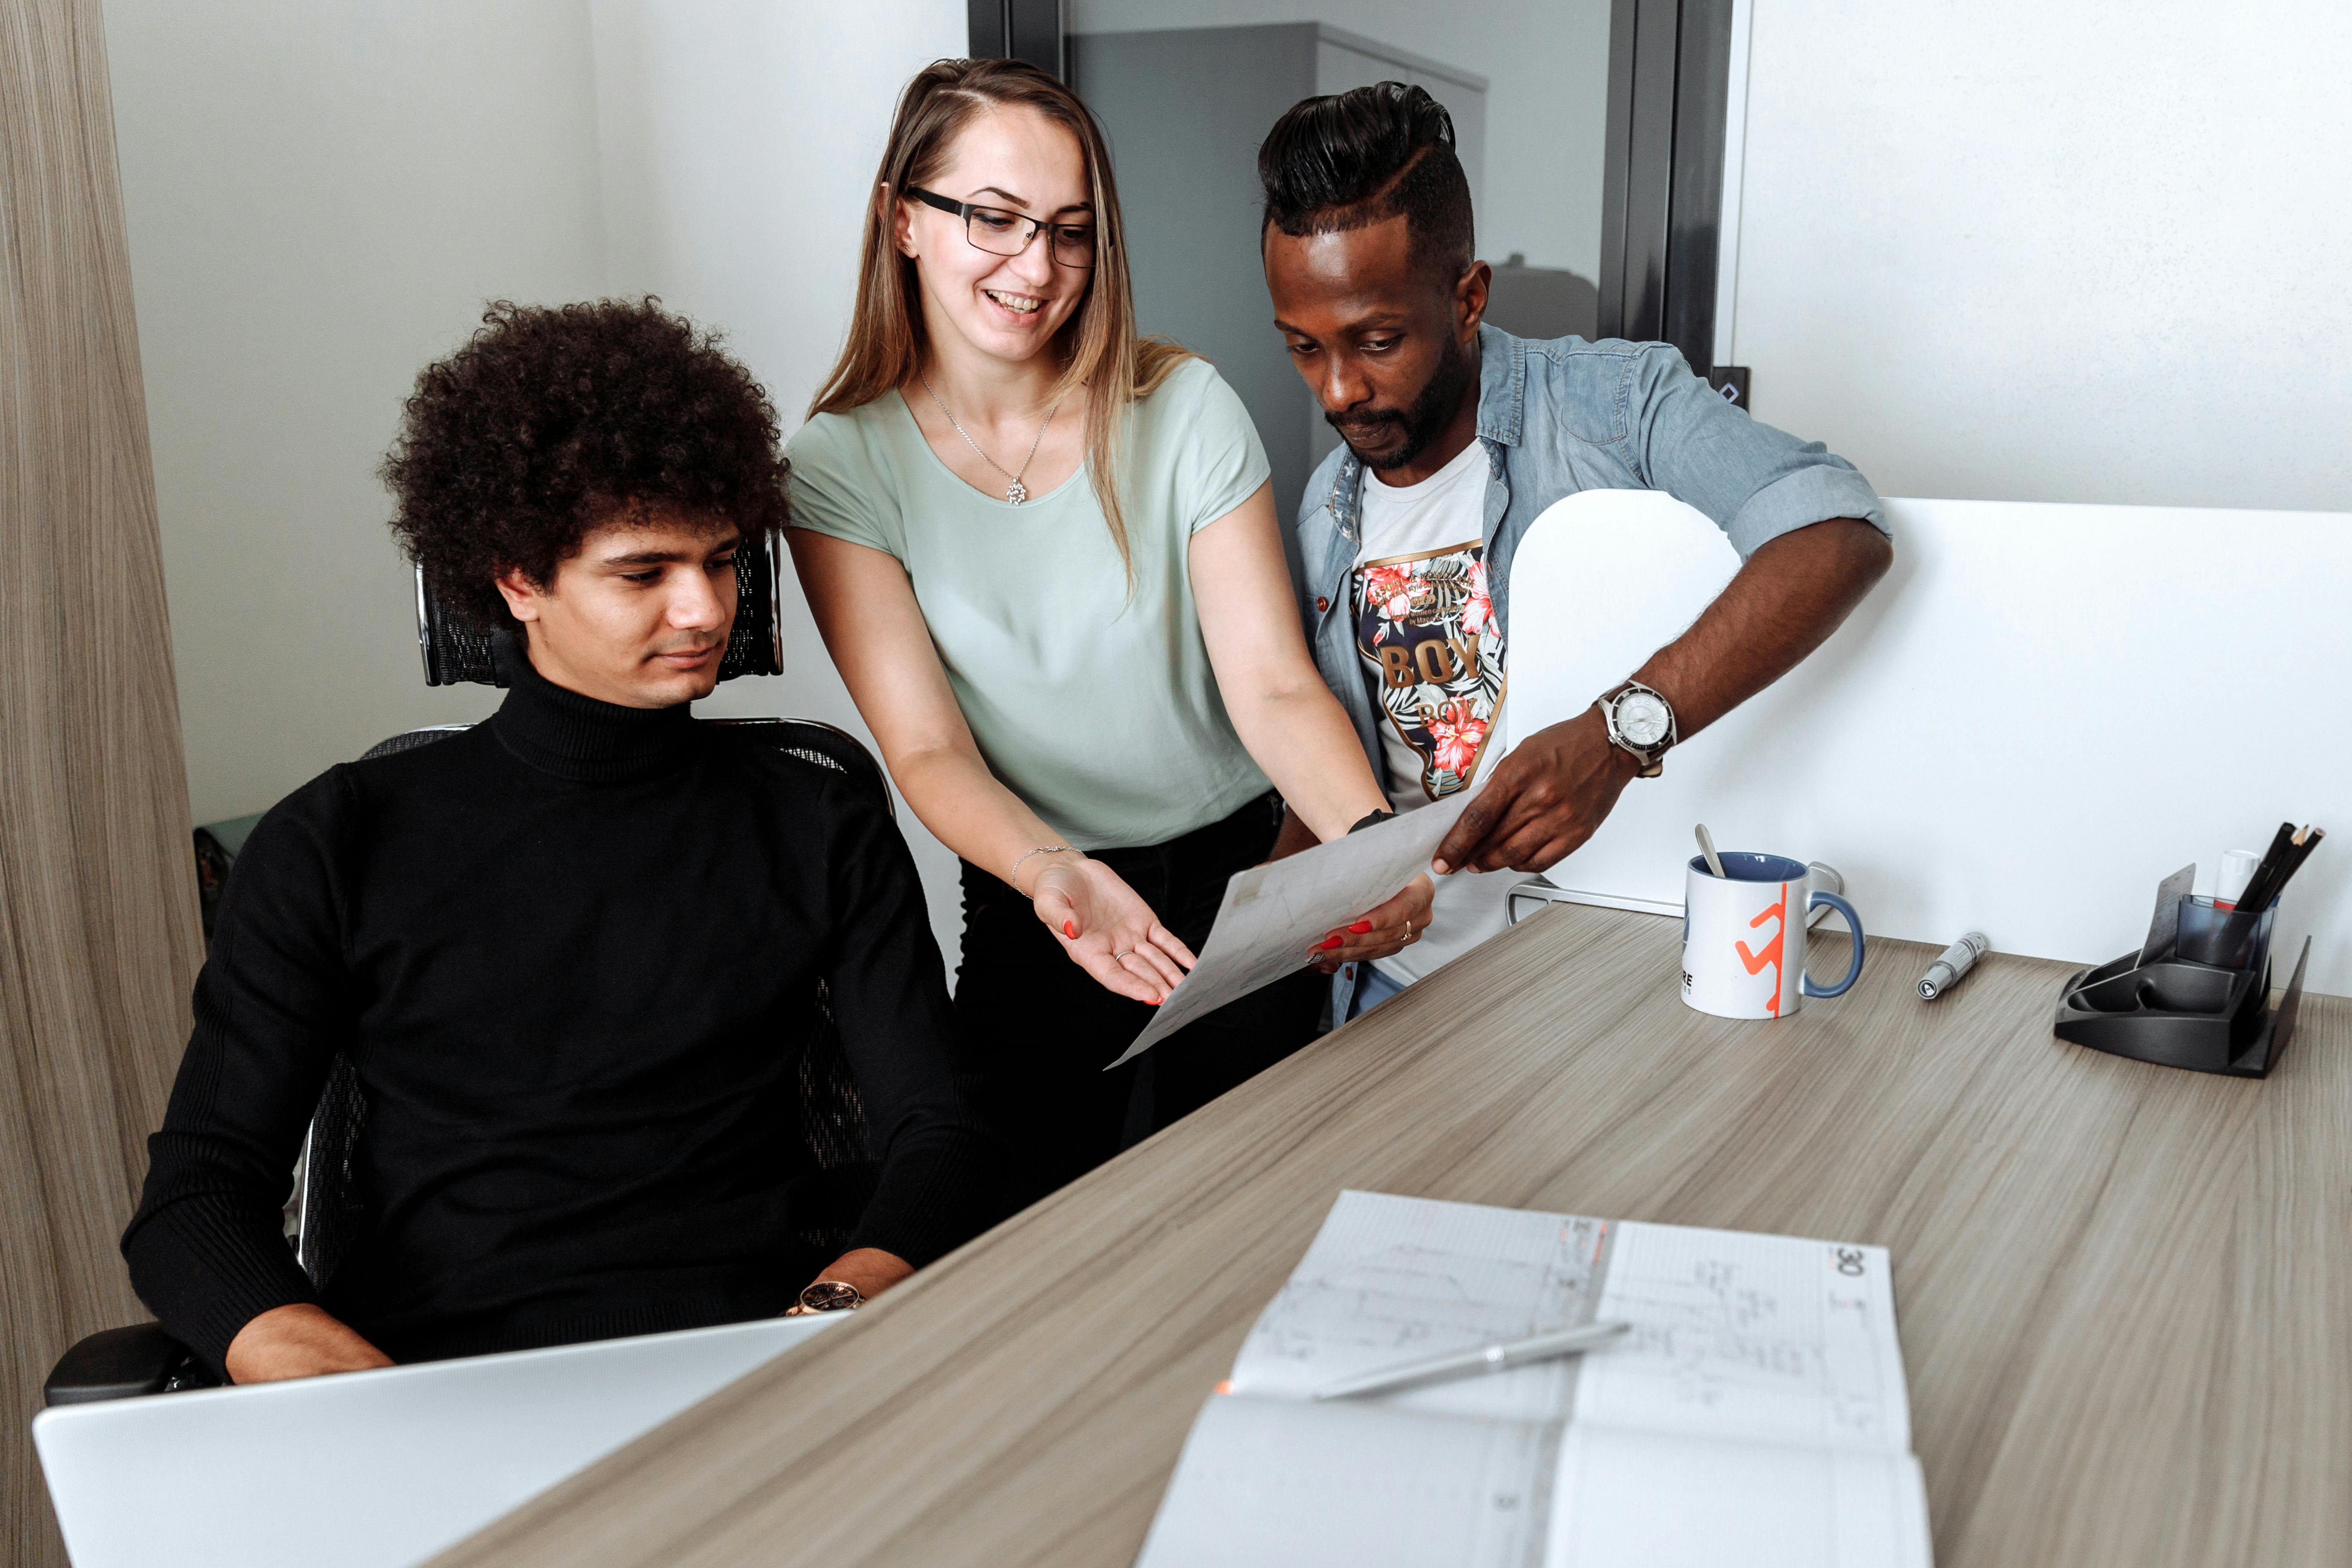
<point x="1002" y="233"/>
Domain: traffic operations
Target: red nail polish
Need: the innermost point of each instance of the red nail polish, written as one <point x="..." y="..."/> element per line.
<point x="1360" y="927"/>
<point x="1070" y="929"/>
<point x="1327" y="945"/>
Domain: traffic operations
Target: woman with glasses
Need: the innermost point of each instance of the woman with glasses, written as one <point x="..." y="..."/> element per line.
<point x="1043" y="554"/>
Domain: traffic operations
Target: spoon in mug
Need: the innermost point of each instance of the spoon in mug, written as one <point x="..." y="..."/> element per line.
<point x="1706" y="848"/>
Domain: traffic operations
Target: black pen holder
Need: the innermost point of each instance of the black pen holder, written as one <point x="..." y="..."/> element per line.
<point x="2224" y="938"/>
<point x="2201" y="1001"/>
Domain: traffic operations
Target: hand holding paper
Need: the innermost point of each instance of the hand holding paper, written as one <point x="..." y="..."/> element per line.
<point x="1273" y="915"/>
<point x="1387" y="927"/>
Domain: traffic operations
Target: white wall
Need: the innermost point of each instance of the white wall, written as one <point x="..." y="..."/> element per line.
<point x="738" y="137"/>
<point x="2081" y="252"/>
<point x="1979" y="747"/>
<point x="1547" y="65"/>
<point x="319" y="199"/>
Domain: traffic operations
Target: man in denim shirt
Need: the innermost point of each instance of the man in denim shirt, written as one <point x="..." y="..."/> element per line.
<point x="1469" y="435"/>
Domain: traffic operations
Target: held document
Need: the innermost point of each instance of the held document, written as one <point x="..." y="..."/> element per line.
<point x="1272" y="914"/>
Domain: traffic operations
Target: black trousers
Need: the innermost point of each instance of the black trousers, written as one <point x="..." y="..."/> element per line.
<point x="1041" y="1030"/>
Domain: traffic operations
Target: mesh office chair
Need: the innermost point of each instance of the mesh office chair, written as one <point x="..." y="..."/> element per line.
<point x="329" y="1209"/>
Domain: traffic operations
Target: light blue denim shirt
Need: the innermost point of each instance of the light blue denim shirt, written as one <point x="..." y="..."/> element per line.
<point x="1564" y="416"/>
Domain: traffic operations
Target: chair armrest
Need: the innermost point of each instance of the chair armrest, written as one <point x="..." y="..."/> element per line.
<point x="120" y="1363"/>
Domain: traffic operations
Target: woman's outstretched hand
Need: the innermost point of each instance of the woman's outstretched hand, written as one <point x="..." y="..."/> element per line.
<point x="1108" y="931"/>
<point x="1392" y="928"/>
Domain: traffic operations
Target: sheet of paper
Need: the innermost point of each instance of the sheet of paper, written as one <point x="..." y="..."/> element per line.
<point x="1391" y="1280"/>
<point x="1272" y="1483"/>
<point x="1760" y="1338"/>
<point x="1766" y="1338"/>
<point x="1660" y="1501"/>
<point x="1755" y="1414"/>
<point x="1272" y="914"/>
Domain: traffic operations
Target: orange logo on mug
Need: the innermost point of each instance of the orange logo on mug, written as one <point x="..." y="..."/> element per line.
<point x="1770" y="953"/>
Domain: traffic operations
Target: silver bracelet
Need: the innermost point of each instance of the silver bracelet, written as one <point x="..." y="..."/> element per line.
<point x="1014" y="880"/>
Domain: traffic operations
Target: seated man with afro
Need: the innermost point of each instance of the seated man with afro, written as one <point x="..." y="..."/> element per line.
<point x="573" y="953"/>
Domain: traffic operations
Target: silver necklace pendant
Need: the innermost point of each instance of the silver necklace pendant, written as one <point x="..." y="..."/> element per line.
<point x="1019" y="492"/>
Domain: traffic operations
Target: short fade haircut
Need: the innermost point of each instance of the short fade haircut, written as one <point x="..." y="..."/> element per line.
<point x="554" y="420"/>
<point x="1364" y="156"/>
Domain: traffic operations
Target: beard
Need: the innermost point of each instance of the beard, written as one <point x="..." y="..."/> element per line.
<point x="1431" y="409"/>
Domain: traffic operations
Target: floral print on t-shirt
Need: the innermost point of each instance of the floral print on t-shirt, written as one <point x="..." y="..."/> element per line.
<point x="1426" y="624"/>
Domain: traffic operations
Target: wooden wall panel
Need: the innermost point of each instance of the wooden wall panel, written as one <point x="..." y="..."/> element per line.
<point x="99" y="941"/>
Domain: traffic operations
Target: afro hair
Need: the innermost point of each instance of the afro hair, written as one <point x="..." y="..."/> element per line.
<point x="552" y="421"/>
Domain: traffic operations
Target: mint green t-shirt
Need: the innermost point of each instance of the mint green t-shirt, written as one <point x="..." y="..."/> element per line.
<point x="1099" y="712"/>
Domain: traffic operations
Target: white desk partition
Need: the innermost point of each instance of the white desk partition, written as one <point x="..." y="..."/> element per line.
<point x="2041" y="712"/>
<point x="370" y="1469"/>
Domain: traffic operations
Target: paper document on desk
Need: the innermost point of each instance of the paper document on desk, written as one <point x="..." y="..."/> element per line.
<point x="1755" y="1415"/>
<point x="1274" y="913"/>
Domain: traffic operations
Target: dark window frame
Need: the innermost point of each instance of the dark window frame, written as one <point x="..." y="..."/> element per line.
<point x="1661" y="187"/>
<point x="1661" y="213"/>
<point x="1019" y="30"/>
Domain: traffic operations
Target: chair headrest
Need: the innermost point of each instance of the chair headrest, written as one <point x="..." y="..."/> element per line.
<point x="458" y="647"/>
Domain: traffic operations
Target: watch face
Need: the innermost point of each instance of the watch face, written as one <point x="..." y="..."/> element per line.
<point x="1642" y="718"/>
<point x="830" y="1295"/>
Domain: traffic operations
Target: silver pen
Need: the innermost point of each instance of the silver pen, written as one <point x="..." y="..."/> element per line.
<point x="1958" y="960"/>
<point x="1462" y="1363"/>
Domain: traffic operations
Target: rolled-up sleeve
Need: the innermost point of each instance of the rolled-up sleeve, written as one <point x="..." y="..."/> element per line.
<point x="1755" y="481"/>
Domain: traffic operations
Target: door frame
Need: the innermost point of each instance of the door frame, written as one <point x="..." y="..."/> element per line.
<point x="1662" y="234"/>
<point x="1662" y="242"/>
<point x="1019" y="30"/>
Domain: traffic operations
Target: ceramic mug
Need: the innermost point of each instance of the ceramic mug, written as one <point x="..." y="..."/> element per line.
<point x="1744" y="942"/>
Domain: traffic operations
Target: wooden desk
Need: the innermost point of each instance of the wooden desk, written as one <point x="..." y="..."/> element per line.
<point x="2125" y="1292"/>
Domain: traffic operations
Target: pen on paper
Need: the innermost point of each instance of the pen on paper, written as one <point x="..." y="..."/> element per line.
<point x="1466" y="1363"/>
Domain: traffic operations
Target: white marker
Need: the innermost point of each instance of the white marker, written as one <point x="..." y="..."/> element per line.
<point x="2238" y="867"/>
<point x="1958" y="960"/>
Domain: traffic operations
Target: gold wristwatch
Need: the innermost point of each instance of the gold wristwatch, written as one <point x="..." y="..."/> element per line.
<point x="831" y="1296"/>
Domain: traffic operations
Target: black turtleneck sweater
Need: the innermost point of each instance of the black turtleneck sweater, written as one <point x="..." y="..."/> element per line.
<point x="571" y="953"/>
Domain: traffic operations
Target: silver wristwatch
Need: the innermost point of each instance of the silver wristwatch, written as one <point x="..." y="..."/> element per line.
<point x="1641" y="723"/>
<point x="831" y="1296"/>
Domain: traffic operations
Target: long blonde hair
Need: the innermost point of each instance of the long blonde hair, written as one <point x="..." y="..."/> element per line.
<point x="1100" y="348"/>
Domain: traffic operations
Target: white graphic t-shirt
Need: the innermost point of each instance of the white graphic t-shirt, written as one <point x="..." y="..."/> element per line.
<point x="1426" y="624"/>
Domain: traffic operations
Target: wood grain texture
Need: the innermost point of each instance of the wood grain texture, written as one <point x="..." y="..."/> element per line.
<point x="2123" y="1292"/>
<point x="99" y="941"/>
